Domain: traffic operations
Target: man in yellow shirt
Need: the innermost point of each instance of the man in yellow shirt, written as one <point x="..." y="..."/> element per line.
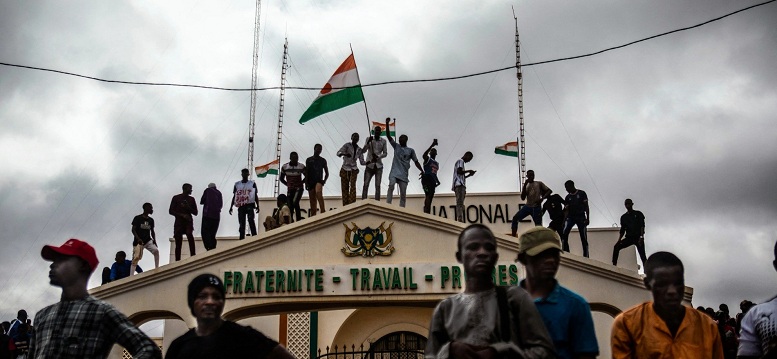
<point x="664" y="328"/>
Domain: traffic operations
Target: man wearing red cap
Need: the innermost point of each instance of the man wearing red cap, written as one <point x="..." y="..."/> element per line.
<point x="80" y="326"/>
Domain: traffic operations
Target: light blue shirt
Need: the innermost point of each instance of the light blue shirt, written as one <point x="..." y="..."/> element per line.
<point x="401" y="166"/>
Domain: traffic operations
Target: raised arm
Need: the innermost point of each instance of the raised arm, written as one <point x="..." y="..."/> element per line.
<point x="523" y="190"/>
<point x="388" y="132"/>
<point x="426" y="153"/>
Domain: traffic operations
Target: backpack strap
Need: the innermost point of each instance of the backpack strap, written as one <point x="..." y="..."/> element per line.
<point x="504" y="313"/>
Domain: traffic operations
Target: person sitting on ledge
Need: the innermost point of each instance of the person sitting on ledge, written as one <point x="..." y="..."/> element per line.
<point x="281" y="216"/>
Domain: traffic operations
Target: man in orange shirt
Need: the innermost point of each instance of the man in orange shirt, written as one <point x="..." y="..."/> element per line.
<point x="664" y="328"/>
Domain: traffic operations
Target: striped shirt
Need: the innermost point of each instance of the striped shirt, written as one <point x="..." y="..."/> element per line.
<point x="86" y="328"/>
<point x="293" y="174"/>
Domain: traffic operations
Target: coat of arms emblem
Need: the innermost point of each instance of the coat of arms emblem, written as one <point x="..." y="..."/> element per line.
<point x="368" y="242"/>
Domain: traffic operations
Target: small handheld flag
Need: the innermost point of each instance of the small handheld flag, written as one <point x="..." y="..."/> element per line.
<point x="392" y="128"/>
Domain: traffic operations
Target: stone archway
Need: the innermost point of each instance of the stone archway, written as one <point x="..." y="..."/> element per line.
<point x="142" y="317"/>
<point x="606" y="308"/>
<point x="362" y="328"/>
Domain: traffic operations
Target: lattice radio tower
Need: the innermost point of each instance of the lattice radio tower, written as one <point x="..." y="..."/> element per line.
<point x="521" y="139"/>
<point x="254" y="70"/>
<point x="280" y="114"/>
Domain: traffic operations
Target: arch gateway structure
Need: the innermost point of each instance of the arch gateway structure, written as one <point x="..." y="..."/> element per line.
<point x="361" y="274"/>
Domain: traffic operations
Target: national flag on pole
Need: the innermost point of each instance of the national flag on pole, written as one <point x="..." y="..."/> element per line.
<point x="342" y="90"/>
<point x="392" y="128"/>
<point x="271" y="168"/>
<point x="508" y="149"/>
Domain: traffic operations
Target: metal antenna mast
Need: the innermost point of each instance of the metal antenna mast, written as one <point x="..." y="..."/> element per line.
<point x="521" y="140"/>
<point x="280" y="113"/>
<point x="254" y="69"/>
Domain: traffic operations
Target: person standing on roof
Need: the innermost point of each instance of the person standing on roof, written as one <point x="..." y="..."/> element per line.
<point x="534" y="192"/>
<point x="316" y="175"/>
<point x="429" y="180"/>
<point x="350" y="152"/>
<point x="577" y="213"/>
<point x="291" y="177"/>
<point x="246" y="199"/>
<point x="211" y="202"/>
<point x="183" y="207"/>
<point x="400" y="167"/>
<point x="375" y="149"/>
<point x="460" y="185"/>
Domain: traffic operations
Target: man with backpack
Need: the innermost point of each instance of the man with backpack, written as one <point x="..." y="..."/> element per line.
<point x="486" y="321"/>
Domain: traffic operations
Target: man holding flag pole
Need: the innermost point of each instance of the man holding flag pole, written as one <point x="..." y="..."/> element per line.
<point x="375" y="149"/>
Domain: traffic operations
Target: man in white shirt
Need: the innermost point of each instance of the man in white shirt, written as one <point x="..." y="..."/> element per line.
<point x="460" y="185"/>
<point x="350" y="152"/>
<point x="758" y="336"/>
<point x="246" y="200"/>
<point x="375" y="150"/>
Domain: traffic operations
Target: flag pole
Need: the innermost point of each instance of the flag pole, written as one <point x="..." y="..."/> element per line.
<point x="369" y="123"/>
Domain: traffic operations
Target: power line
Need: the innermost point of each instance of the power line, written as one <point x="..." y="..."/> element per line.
<point x="388" y="82"/>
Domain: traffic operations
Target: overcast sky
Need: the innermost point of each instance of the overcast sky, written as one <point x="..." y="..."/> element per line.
<point x="682" y="124"/>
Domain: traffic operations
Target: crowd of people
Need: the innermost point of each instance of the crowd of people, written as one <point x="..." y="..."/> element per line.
<point x="312" y="175"/>
<point x="538" y="318"/>
<point x="729" y="327"/>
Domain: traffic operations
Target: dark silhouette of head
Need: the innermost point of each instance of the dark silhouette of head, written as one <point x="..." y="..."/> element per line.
<point x="403" y="140"/>
<point x="317" y="149"/>
<point x="530" y="175"/>
<point x="282" y="199"/>
<point x="294" y="157"/>
<point x="570" y="186"/>
<point x="148" y="208"/>
<point x="467" y="156"/>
